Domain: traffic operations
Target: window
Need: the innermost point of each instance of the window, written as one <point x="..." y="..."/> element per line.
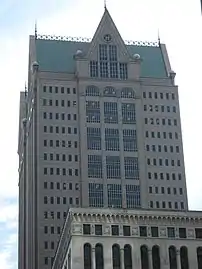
<point x="95" y="166"/>
<point x="154" y="232"/>
<point x="46" y="260"/>
<point x="133" y="196"/>
<point x="110" y="112"/>
<point x="114" y="192"/>
<point x="87" y="256"/>
<point x="143" y="231"/>
<point x="95" y="193"/>
<point x="128" y="113"/>
<point x="94" y="69"/>
<point x="127" y="93"/>
<point x="127" y="257"/>
<point x="184" y="258"/>
<point x="126" y="230"/>
<point x="115" y="230"/>
<point x="112" y="139"/>
<point x="129" y="140"/>
<point x="123" y="70"/>
<point x="92" y="111"/>
<point x="98" y="229"/>
<point x="113" y="167"/>
<point x="92" y="91"/>
<point x="99" y="257"/>
<point x="156" y="257"/>
<point x="182" y="233"/>
<point x="131" y="168"/>
<point x="45" y="229"/>
<point x="144" y="257"/>
<point x="86" y="229"/>
<point x="198" y="232"/>
<point x="116" y="256"/>
<point x="171" y="232"/>
<point x="93" y="138"/>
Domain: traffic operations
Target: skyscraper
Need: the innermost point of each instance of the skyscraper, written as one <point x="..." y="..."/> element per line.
<point x="99" y="127"/>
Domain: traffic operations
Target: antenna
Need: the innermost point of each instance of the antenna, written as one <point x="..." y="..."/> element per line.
<point x="35" y="33"/>
<point x="105" y="4"/>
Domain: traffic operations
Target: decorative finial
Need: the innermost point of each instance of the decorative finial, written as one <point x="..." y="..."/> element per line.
<point x="159" y="39"/>
<point x="105" y="4"/>
<point x="35" y="29"/>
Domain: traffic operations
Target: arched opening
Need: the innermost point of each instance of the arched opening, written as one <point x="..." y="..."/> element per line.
<point x="127" y="93"/>
<point x="144" y="257"/>
<point x="92" y="91"/>
<point x="199" y="257"/>
<point x="173" y="257"/>
<point x="87" y="253"/>
<point x="116" y="257"/>
<point x="127" y="257"/>
<point x="156" y="257"/>
<point x="99" y="258"/>
<point x="184" y="258"/>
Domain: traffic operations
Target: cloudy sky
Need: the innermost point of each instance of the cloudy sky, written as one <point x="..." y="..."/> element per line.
<point x="180" y="27"/>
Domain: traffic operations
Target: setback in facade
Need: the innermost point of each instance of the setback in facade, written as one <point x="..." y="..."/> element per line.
<point x="99" y="128"/>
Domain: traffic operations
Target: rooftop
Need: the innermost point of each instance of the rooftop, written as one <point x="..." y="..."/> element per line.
<point x="56" y="54"/>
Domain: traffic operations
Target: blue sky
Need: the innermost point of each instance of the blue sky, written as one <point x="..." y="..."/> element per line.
<point x="180" y="26"/>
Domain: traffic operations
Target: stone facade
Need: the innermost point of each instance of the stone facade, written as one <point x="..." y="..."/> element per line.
<point x="164" y="230"/>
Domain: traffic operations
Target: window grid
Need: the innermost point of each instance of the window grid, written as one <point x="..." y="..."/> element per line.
<point x="94" y="166"/>
<point x="93" y="111"/>
<point x="95" y="193"/>
<point x="131" y="168"/>
<point x="110" y="112"/>
<point x="112" y="139"/>
<point x="94" y="138"/>
<point x="94" y="69"/>
<point x="114" y="195"/>
<point x="128" y="114"/>
<point x="92" y="91"/>
<point x="113" y="167"/>
<point x="129" y="140"/>
<point x="133" y="196"/>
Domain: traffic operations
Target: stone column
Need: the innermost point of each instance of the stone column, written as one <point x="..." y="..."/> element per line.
<point x="150" y="259"/>
<point x="122" y="258"/>
<point x="93" y="259"/>
<point x="178" y="259"/>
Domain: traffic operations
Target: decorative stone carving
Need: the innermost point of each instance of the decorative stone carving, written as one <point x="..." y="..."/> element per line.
<point x="77" y="229"/>
<point x="149" y="231"/>
<point x="107" y="229"/>
<point x="162" y="232"/>
<point x="92" y="229"/>
<point x="190" y="233"/>
<point x="135" y="231"/>
<point x="120" y="230"/>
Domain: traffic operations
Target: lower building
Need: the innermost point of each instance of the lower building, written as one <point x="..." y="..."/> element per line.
<point x="139" y="239"/>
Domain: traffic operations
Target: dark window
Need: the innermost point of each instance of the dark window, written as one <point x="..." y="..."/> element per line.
<point x="172" y="257"/>
<point x="143" y="231"/>
<point x="199" y="257"/>
<point x="154" y="232"/>
<point x="98" y="229"/>
<point x="171" y="232"/>
<point x="116" y="257"/>
<point x="156" y="257"/>
<point x="86" y="229"/>
<point x="127" y="257"/>
<point x="184" y="258"/>
<point x="198" y="232"/>
<point x="46" y="260"/>
<point x="87" y="256"/>
<point x="115" y="229"/>
<point x="144" y="257"/>
<point x="182" y="233"/>
<point x="99" y="257"/>
<point x="45" y="229"/>
<point x="126" y="230"/>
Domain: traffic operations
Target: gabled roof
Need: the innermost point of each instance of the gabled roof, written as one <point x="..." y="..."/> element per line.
<point x="58" y="55"/>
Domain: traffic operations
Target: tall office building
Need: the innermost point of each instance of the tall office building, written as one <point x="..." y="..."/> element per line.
<point x="99" y="127"/>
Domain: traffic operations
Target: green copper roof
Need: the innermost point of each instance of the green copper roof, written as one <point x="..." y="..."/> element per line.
<point x="57" y="56"/>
